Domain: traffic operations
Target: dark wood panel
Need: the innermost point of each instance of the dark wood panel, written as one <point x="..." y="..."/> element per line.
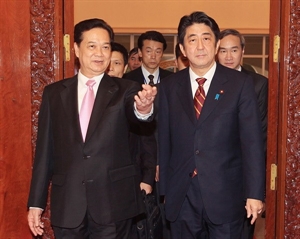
<point x="290" y="114"/>
<point x="273" y="119"/>
<point x="46" y="65"/>
<point x="69" y="29"/>
<point x="15" y="118"/>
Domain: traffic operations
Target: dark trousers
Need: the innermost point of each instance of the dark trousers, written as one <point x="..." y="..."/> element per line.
<point x="193" y="222"/>
<point x="89" y="229"/>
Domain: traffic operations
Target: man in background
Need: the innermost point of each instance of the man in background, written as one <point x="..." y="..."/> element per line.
<point x="151" y="46"/>
<point x="118" y="60"/>
<point x="134" y="60"/>
<point x="231" y="51"/>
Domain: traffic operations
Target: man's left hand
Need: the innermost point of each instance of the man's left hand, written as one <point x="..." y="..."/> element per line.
<point x="253" y="207"/>
<point x="144" y="99"/>
<point x="146" y="187"/>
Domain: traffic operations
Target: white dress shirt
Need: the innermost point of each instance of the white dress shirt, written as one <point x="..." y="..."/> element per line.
<point x="208" y="76"/>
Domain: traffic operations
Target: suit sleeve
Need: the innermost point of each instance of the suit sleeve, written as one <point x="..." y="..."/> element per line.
<point x="164" y="143"/>
<point x="251" y="142"/>
<point x="263" y="108"/>
<point x="42" y="168"/>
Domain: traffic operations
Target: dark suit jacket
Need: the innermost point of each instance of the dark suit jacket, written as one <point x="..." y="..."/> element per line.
<point x="98" y="175"/>
<point x="261" y="90"/>
<point x="225" y="144"/>
<point x="144" y="137"/>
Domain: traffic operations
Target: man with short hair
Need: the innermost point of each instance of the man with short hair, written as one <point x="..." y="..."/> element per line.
<point x="82" y="145"/>
<point x="211" y="163"/>
<point x="134" y="60"/>
<point x="230" y="54"/>
<point x="151" y="46"/>
<point x="118" y="60"/>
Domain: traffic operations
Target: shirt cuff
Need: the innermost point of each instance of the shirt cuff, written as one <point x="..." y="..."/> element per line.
<point x="36" y="208"/>
<point x="142" y="116"/>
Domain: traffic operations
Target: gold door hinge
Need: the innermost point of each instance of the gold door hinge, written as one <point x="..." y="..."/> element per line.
<point x="273" y="176"/>
<point x="67" y="47"/>
<point x="276" y="47"/>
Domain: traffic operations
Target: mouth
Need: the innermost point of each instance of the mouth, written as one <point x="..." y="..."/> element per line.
<point x="228" y="63"/>
<point x="201" y="55"/>
<point x="98" y="61"/>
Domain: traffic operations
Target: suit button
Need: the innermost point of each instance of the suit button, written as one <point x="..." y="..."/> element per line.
<point x="86" y="156"/>
<point x="83" y="182"/>
<point x="197" y="152"/>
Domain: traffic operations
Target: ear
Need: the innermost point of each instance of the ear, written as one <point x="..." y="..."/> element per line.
<point x="217" y="47"/>
<point x="140" y="53"/>
<point x="176" y="63"/>
<point x="182" y="49"/>
<point x="76" y="48"/>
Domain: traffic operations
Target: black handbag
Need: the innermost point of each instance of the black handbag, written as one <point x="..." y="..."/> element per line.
<point x="150" y="224"/>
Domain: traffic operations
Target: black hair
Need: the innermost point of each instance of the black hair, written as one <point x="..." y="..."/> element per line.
<point x="178" y="52"/>
<point x="151" y="35"/>
<point x="133" y="51"/>
<point x="197" y="17"/>
<point x="120" y="48"/>
<point x="89" y="24"/>
<point x="233" y="32"/>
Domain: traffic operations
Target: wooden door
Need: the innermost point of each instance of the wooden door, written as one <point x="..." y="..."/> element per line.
<point x="52" y="66"/>
<point x="15" y="118"/>
<point x="283" y="204"/>
<point x="31" y="56"/>
<point x="273" y="119"/>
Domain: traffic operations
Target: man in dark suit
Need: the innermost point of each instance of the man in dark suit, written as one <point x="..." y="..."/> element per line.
<point x="151" y="46"/>
<point x="212" y="163"/>
<point x="231" y="51"/>
<point x="95" y="190"/>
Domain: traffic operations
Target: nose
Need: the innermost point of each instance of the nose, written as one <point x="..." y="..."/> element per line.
<point x="99" y="51"/>
<point x="200" y="44"/>
<point x="152" y="54"/>
<point x="228" y="55"/>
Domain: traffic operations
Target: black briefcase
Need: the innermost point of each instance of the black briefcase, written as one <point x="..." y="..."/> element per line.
<point x="150" y="224"/>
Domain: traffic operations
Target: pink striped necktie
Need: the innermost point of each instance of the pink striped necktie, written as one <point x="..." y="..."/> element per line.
<point x="87" y="107"/>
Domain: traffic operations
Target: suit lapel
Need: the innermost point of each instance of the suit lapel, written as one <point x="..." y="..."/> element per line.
<point x="106" y="91"/>
<point x="215" y="94"/>
<point x="70" y="103"/>
<point x="184" y="92"/>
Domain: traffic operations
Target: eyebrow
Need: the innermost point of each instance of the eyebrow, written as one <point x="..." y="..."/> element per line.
<point x="104" y="43"/>
<point x="223" y="48"/>
<point x="203" y="34"/>
<point x="148" y="47"/>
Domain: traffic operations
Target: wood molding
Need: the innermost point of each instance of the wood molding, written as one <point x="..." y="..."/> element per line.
<point x="273" y="122"/>
<point x="291" y="117"/>
<point x="43" y="68"/>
